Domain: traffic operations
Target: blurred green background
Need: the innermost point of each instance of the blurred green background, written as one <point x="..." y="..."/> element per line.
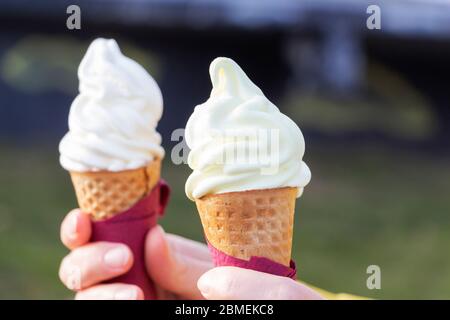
<point x="365" y="206"/>
<point x="374" y="111"/>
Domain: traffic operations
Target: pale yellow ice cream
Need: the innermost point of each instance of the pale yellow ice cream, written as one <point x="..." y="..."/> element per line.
<point x="112" y="122"/>
<point x="240" y="141"/>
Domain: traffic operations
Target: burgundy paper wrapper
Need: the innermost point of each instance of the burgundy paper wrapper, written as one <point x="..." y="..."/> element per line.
<point x="255" y="263"/>
<point x="130" y="227"/>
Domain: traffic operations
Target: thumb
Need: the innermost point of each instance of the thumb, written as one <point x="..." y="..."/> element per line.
<point x="231" y="283"/>
<point x="176" y="271"/>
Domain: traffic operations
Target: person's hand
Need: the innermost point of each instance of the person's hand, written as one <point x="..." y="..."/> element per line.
<point x="232" y="283"/>
<point x="180" y="268"/>
<point x="175" y="264"/>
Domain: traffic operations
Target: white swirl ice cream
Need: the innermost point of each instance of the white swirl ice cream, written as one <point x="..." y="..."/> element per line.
<point x="112" y="122"/>
<point x="238" y="120"/>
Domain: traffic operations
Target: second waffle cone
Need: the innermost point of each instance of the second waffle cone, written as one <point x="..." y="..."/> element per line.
<point x="104" y="194"/>
<point x="250" y="223"/>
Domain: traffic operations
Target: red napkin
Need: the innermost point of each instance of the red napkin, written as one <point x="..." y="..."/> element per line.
<point x="130" y="227"/>
<point x="255" y="263"/>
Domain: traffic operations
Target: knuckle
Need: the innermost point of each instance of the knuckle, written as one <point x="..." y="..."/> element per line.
<point x="70" y="274"/>
<point x="227" y="285"/>
<point x="284" y="290"/>
<point x="61" y="272"/>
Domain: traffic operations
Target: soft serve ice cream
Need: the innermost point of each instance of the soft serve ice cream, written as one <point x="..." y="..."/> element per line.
<point x="112" y="122"/>
<point x="238" y="108"/>
<point x="113" y="153"/>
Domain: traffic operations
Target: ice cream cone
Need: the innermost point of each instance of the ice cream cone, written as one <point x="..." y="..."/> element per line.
<point x="103" y="194"/>
<point x="250" y="223"/>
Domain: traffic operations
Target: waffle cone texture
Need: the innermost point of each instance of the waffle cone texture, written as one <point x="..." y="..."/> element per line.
<point x="250" y="223"/>
<point x="104" y="194"/>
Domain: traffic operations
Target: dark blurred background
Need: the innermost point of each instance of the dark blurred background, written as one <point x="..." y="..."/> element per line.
<point x="374" y="107"/>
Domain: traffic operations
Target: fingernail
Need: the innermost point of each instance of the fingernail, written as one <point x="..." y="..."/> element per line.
<point x="126" y="294"/>
<point x="167" y="245"/>
<point x="73" y="226"/>
<point x="117" y="257"/>
<point x="161" y="230"/>
<point x="171" y="249"/>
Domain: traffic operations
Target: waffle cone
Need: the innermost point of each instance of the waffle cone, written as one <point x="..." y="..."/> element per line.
<point x="103" y="194"/>
<point x="250" y="223"/>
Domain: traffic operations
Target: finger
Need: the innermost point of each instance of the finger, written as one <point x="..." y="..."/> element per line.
<point x="94" y="263"/>
<point x="75" y="229"/>
<point x="166" y="295"/>
<point x="172" y="270"/>
<point x="188" y="247"/>
<point x="117" y="291"/>
<point x="232" y="283"/>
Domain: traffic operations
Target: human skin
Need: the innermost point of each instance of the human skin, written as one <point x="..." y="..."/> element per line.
<point x="181" y="269"/>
